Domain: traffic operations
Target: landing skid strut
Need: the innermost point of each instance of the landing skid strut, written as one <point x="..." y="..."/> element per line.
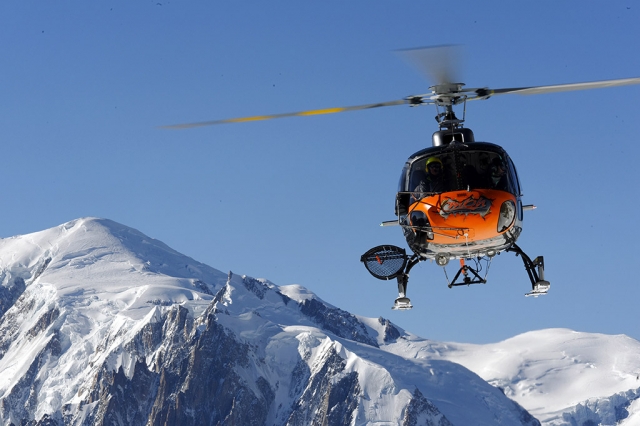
<point x="402" y="302"/>
<point x="535" y="269"/>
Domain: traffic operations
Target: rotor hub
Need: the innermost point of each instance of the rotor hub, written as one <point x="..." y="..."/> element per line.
<point x="447" y="88"/>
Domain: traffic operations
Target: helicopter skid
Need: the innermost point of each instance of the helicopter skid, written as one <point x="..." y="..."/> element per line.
<point x="402" y="304"/>
<point x="539" y="289"/>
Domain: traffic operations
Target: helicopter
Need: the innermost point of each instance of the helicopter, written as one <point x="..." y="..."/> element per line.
<point x="459" y="199"/>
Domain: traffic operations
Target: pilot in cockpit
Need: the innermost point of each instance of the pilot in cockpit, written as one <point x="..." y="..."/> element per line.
<point x="433" y="179"/>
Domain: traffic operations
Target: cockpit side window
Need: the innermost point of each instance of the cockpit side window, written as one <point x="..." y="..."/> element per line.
<point x="403" y="178"/>
<point x="514" y="177"/>
<point x="402" y="198"/>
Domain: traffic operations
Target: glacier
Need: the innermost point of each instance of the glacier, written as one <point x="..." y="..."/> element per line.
<point x="100" y="324"/>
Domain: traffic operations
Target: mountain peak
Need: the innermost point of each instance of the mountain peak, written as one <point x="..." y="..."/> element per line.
<point x="102" y="259"/>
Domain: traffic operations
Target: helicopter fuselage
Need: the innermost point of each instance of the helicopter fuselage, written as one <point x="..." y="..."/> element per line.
<point x="459" y="199"/>
<point x="469" y="206"/>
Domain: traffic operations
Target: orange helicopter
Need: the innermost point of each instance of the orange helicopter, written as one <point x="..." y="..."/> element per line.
<point x="459" y="199"/>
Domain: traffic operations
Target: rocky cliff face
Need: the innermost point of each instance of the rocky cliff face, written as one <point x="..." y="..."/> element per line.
<point x="610" y="410"/>
<point x="102" y="325"/>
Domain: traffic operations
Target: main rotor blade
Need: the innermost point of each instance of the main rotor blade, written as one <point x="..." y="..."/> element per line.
<point x="440" y="63"/>
<point x="537" y="90"/>
<point x="288" y="114"/>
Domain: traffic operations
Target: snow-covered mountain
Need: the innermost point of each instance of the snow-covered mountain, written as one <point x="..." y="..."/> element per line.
<point x="560" y="376"/>
<point x="100" y="324"/>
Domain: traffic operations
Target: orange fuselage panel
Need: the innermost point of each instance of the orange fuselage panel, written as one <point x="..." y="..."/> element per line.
<point x="463" y="215"/>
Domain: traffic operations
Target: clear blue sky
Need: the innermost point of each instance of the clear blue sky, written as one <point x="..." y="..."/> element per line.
<point x="85" y="85"/>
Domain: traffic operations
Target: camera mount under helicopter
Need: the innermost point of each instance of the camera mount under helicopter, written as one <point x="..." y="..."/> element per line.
<point x="469" y="276"/>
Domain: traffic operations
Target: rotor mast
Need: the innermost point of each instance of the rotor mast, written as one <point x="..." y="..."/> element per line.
<point x="444" y="97"/>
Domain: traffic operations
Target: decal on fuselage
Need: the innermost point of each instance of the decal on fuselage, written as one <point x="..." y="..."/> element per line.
<point x="470" y="205"/>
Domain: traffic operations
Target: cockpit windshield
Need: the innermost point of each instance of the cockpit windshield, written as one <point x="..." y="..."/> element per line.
<point x="465" y="170"/>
